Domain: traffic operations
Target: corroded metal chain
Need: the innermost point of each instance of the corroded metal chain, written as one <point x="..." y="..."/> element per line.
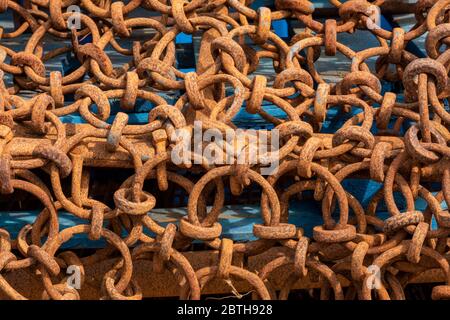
<point x="400" y="140"/>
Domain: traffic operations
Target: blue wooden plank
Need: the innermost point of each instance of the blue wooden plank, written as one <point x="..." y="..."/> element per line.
<point x="237" y="220"/>
<point x="386" y="22"/>
<point x="333" y="122"/>
<point x="133" y="118"/>
<point x="69" y="64"/>
<point x="183" y="38"/>
<point x="317" y="4"/>
<point x="281" y="28"/>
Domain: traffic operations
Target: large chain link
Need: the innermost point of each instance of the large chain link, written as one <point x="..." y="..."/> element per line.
<point x="400" y="140"/>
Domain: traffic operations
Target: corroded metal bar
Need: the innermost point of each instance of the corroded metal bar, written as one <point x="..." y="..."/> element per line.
<point x="382" y="119"/>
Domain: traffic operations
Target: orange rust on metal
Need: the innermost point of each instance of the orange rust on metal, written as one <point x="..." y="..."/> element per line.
<point x="44" y="159"/>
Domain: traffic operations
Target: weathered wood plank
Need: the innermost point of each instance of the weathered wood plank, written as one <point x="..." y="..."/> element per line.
<point x="237" y="220"/>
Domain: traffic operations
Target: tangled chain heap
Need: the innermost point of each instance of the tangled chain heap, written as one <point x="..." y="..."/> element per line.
<point x="33" y="138"/>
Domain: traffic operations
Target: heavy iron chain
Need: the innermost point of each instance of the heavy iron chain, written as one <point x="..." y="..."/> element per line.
<point x="33" y="137"/>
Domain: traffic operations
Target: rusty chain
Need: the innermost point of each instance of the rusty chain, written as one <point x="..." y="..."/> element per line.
<point x="348" y="243"/>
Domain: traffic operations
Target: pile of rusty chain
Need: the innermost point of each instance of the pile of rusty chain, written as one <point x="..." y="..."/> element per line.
<point x="344" y="249"/>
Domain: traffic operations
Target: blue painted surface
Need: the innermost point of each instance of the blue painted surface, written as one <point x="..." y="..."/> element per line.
<point x="237" y="221"/>
<point x="281" y="28"/>
<point x="133" y="118"/>
<point x="183" y="38"/>
<point x="386" y="22"/>
<point x="69" y="64"/>
<point x="318" y="4"/>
